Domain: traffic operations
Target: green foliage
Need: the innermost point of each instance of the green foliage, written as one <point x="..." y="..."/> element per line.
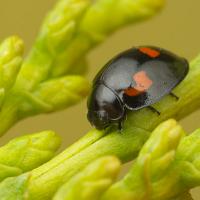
<point x="27" y="152"/>
<point x="71" y="29"/>
<point x="10" y="61"/>
<point x="92" y="181"/>
<point x="154" y="167"/>
<point x="125" y="146"/>
<point x="51" y="78"/>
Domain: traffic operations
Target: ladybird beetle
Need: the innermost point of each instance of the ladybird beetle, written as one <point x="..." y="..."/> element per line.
<point x="132" y="80"/>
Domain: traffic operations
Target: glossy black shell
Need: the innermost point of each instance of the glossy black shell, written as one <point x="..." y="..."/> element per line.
<point x="109" y="99"/>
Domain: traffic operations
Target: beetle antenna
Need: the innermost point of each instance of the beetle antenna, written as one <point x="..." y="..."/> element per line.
<point x="120" y="126"/>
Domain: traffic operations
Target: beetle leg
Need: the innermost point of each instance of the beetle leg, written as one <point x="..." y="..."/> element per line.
<point x="154" y="110"/>
<point x="120" y="125"/>
<point x="174" y="96"/>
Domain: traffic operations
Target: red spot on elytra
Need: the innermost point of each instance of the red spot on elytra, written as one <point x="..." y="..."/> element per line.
<point x="143" y="83"/>
<point x="132" y="92"/>
<point x="150" y="52"/>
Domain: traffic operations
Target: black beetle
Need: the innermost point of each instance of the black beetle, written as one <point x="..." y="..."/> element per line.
<point x="134" y="79"/>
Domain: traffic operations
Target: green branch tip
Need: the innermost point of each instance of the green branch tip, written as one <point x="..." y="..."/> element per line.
<point x="150" y="171"/>
<point x="63" y="92"/>
<point x="167" y="167"/>
<point x="11" y="50"/>
<point x="98" y="23"/>
<point x="27" y="152"/>
<point x="92" y="181"/>
<point x="11" y="47"/>
<point x="189" y="160"/>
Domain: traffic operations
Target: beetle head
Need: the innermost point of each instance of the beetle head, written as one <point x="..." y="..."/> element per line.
<point x="99" y="119"/>
<point x="104" y="107"/>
